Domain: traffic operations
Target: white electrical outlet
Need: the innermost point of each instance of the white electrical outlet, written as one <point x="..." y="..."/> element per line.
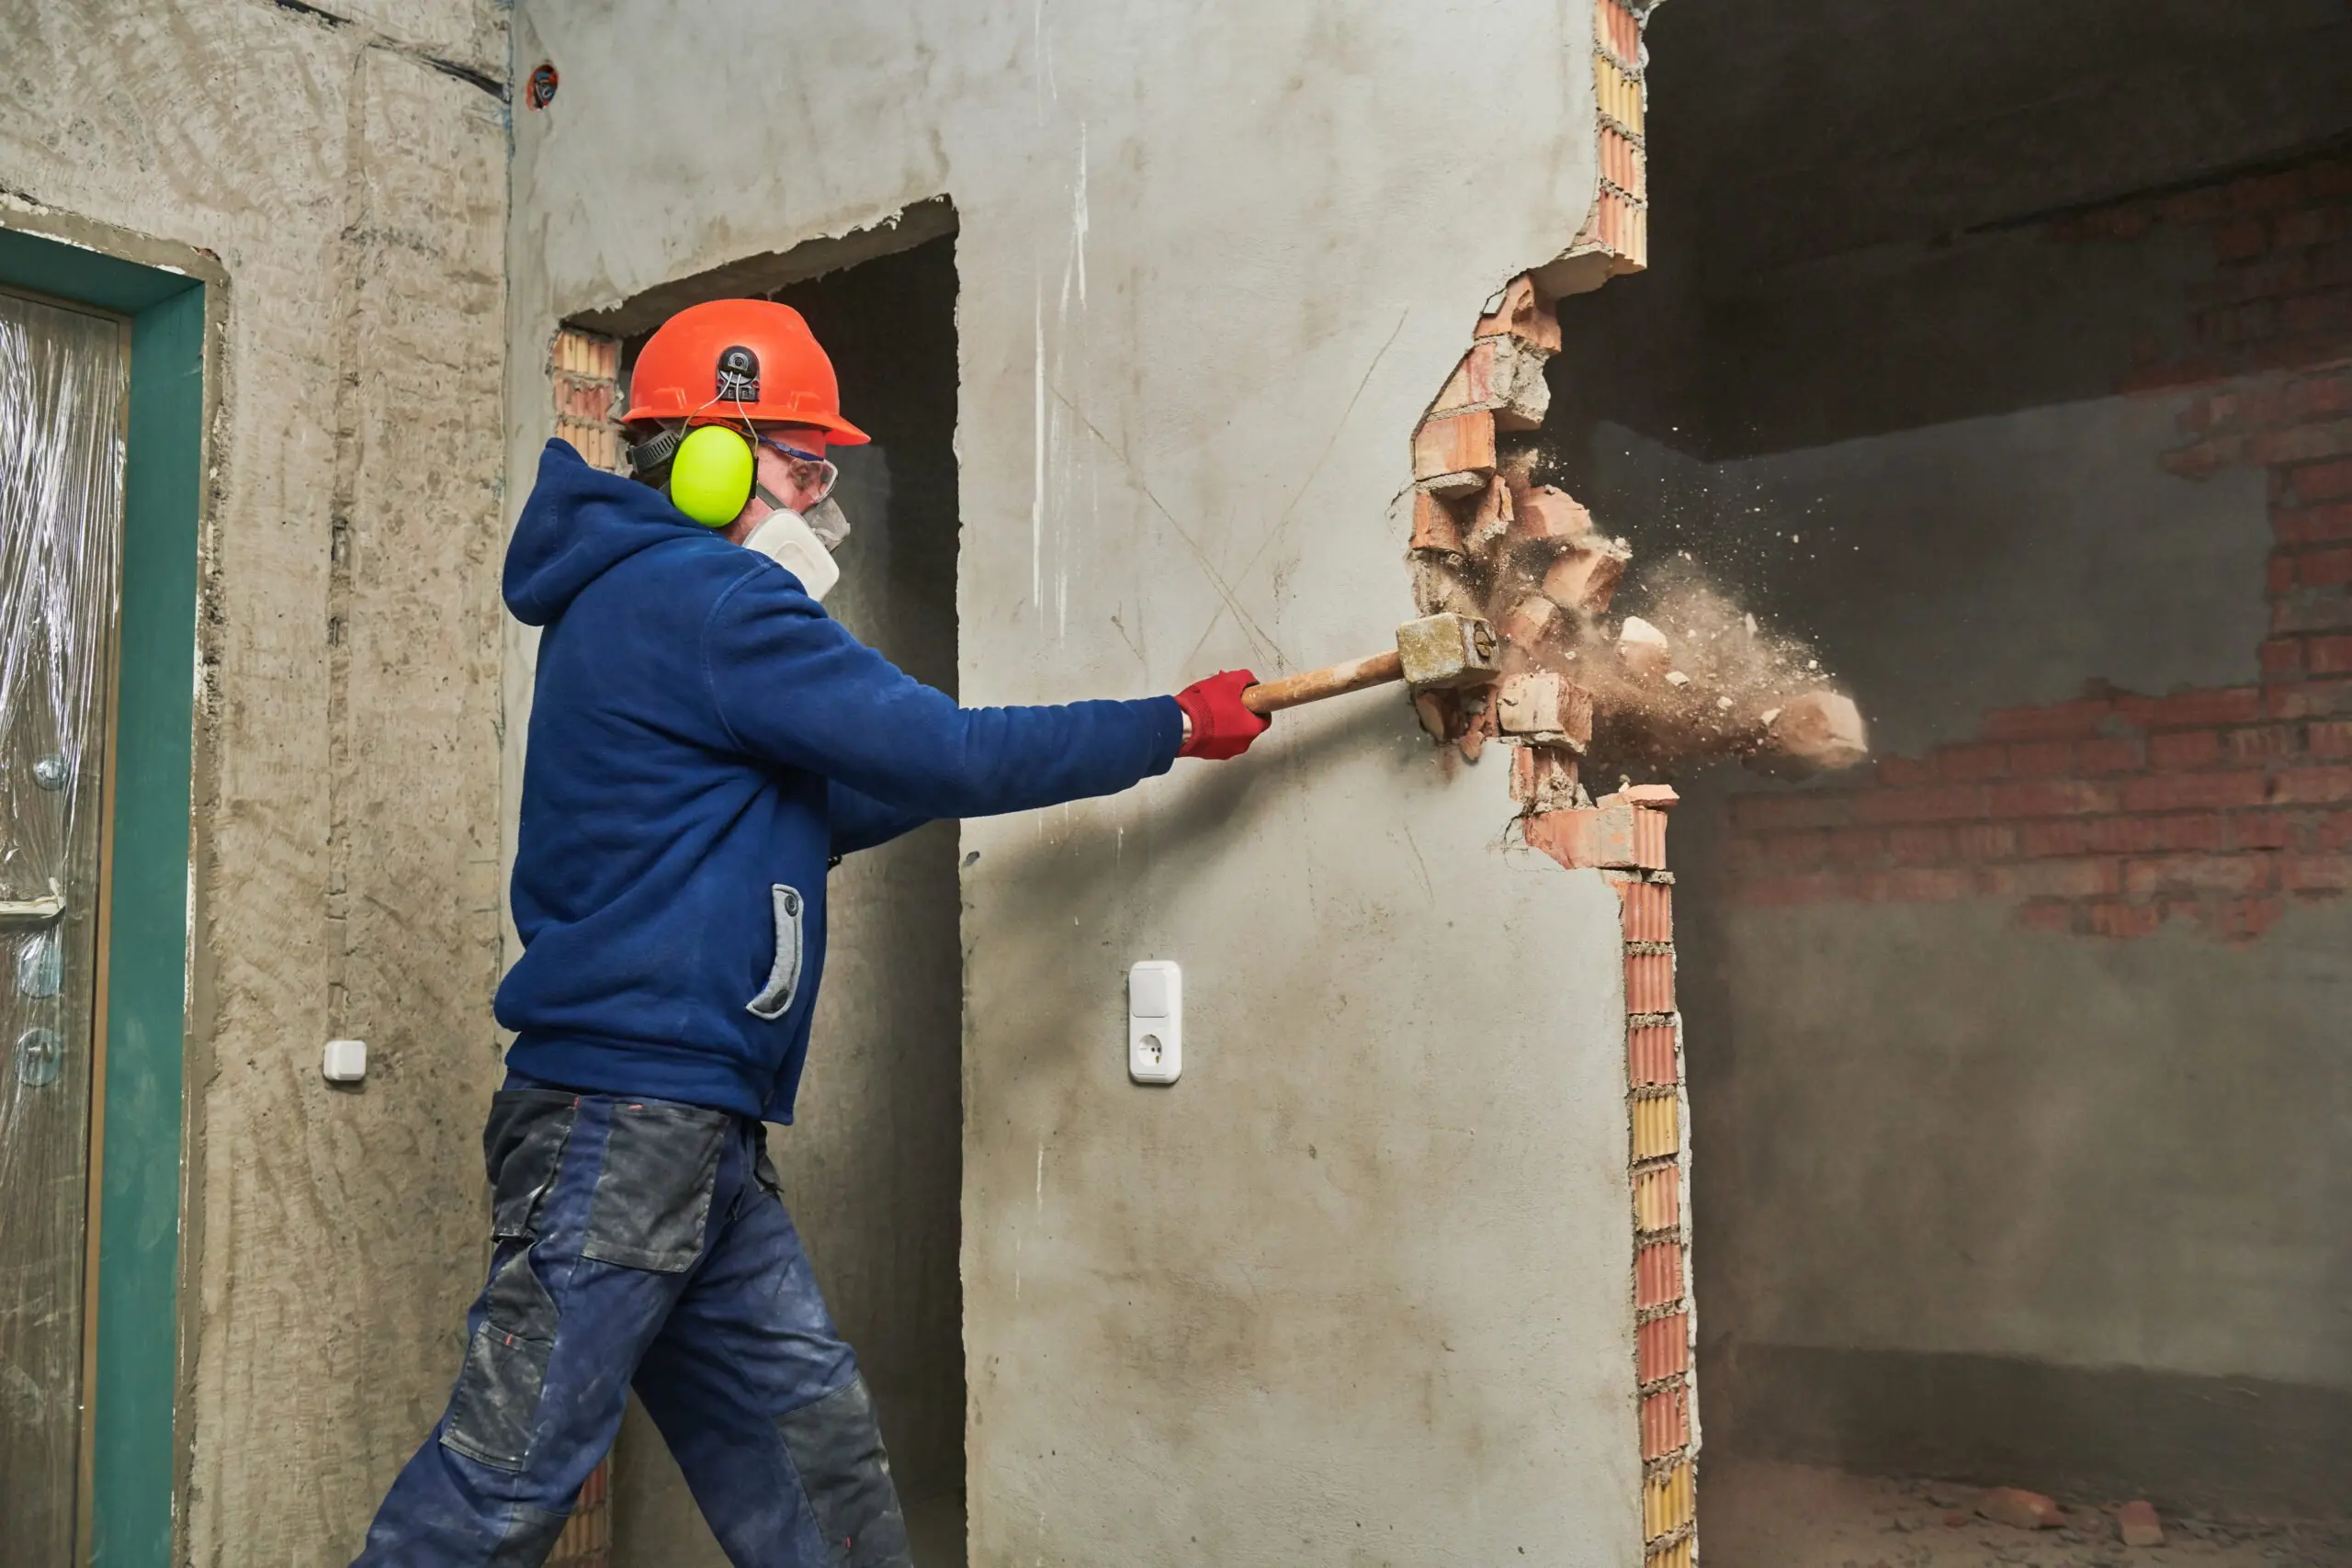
<point x="1154" y="1021"/>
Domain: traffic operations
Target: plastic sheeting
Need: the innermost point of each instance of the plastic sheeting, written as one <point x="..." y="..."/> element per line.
<point x="64" y="385"/>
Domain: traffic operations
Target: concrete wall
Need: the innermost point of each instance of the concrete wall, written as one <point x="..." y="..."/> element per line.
<point x="348" y="173"/>
<point x="2016" y="1080"/>
<point x="1355" y="1288"/>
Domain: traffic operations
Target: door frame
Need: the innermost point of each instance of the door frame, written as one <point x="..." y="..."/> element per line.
<point x="134" y="1454"/>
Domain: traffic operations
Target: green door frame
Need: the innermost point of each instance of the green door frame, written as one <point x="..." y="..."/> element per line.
<point x="135" y="1451"/>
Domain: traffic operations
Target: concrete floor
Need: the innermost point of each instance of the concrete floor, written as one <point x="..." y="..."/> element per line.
<point x="1753" y="1514"/>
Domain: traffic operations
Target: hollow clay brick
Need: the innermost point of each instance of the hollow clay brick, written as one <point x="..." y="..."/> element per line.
<point x="1543" y="778"/>
<point x="1665" y="1422"/>
<point x="1658" y="1200"/>
<point x="1520" y="313"/>
<point x="1657" y="1127"/>
<point x="1670" y="1501"/>
<point x="1649" y="982"/>
<point x="1544" y="706"/>
<point x="1649" y="1055"/>
<point x="1662" y="1347"/>
<point x="1453" y="454"/>
<point x="1434" y="527"/>
<point x="1648" y="911"/>
<point x="1658" y="1274"/>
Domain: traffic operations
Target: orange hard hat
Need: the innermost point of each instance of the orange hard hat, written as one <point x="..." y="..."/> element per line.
<point x="735" y="360"/>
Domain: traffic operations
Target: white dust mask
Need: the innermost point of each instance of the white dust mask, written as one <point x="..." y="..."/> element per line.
<point x="785" y="538"/>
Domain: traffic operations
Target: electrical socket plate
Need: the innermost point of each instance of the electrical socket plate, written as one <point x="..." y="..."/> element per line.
<point x="1154" y="1021"/>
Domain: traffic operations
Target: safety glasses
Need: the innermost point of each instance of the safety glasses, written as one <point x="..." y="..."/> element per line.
<point x="831" y="475"/>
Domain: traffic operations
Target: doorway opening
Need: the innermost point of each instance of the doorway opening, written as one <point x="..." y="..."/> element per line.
<point x="872" y="1168"/>
<point x="2004" y="350"/>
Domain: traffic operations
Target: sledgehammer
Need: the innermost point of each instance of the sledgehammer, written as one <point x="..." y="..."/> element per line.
<point x="1432" y="654"/>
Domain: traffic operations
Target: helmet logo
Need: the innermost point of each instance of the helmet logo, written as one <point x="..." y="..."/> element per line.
<point x="739" y="375"/>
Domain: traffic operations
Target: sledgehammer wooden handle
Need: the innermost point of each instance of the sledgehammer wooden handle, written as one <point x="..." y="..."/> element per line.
<point x="1331" y="681"/>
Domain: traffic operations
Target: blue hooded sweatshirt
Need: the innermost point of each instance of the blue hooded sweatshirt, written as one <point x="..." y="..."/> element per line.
<point x="704" y="740"/>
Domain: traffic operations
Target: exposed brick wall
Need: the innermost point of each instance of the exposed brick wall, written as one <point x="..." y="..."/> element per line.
<point x="2113" y="813"/>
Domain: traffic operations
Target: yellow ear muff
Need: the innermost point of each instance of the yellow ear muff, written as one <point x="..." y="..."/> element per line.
<point x="711" y="477"/>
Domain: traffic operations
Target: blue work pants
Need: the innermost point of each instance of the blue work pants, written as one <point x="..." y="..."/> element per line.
<point x="645" y="1242"/>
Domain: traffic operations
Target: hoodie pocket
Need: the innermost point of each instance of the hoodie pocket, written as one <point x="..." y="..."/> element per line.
<point x="783" y="979"/>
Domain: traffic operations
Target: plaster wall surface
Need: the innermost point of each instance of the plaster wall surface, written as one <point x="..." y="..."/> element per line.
<point x="1354" y="1289"/>
<point x="348" y="173"/>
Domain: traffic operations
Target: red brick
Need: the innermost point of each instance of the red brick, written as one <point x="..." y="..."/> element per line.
<point x="1658" y="1274"/>
<point x="2198" y="874"/>
<point x="1963" y="764"/>
<point x="2300" y="786"/>
<point x="2258" y="831"/>
<point x="2188" y="791"/>
<point x="2051" y="797"/>
<point x="2306" y="228"/>
<point x="1852" y="846"/>
<point x="1984" y="840"/>
<point x="2055" y="879"/>
<point x="2048" y="914"/>
<point x="2313" y="524"/>
<point x="2304" y="443"/>
<point x="2266" y="743"/>
<point x="2321" y="481"/>
<point x="2057" y="721"/>
<point x="2324" y="569"/>
<point x="2064" y="836"/>
<point x="1919" y="846"/>
<point x="1918" y="885"/>
<point x="2121" y="754"/>
<point x="2241" y="240"/>
<point x="2330" y="738"/>
<point x="2142" y="835"/>
<point x="2308" y="699"/>
<point x="2279" y="576"/>
<point x="1649" y="1055"/>
<point x="2282" y="659"/>
<point x="2043" y="758"/>
<point x="2137" y="1524"/>
<point x="1813" y="809"/>
<point x="2328" y="655"/>
<point x="2329" y="177"/>
<point x="1662" y="1347"/>
<point x="1943" y="803"/>
<point x="2215" y="705"/>
<point x="1665" y="1422"/>
<point x="2315" y="873"/>
<point x="2323" y="394"/>
<point x="2109" y="918"/>
<point x="2325" y="311"/>
<point x="2184" y="749"/>
<point x="1902" y="771"/>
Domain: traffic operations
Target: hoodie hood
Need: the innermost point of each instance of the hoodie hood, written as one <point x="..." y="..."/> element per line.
<point x="579" y="524"/>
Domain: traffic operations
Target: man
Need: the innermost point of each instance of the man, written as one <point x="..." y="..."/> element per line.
<point x="704" y="740"/>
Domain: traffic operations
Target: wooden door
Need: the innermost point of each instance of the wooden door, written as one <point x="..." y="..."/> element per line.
<point x="64" y="385"/>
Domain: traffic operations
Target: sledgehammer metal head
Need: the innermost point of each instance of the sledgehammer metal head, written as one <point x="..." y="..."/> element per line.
<point x="1433" y="653"/>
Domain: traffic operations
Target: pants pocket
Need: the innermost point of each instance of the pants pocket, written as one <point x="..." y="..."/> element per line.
<point x="652" y="1197"/>
<point x="836" y="1444"/>
<point x="521" y="1144"/>
<point x="496" y="1404"/>
<point x="776" y="996"/>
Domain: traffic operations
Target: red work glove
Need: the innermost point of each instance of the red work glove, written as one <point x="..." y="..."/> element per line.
<point x="1222" y="728"/>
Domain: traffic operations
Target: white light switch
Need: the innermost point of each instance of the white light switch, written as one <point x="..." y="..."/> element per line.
<point x="1154" y="1021"/>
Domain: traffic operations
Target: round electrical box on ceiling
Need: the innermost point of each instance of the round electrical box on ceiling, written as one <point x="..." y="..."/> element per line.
<point x="541" y="91"/>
